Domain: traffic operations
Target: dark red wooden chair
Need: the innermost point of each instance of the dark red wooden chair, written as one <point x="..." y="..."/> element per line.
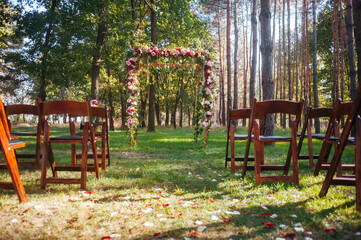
<point x="312" y="113"/>
<point x="18" y="109"/>
<point x="353" y="120"/>
<point x="8" y="149"/>
<point x="234" y="115"/>
<point x="102" y="121"/>
<point x="332" y="135"/>
<point x="88" y="137"/>
<point x="260" y="110"/>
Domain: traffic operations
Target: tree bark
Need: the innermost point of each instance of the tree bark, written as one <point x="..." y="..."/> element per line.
<point x="235" y="59"/>
<point x="221" y="77"/>
<point x="229" y="68"/>
<point x="123" y="104"/>
<point x="245" y="67"/>
<point x="153" y="36"/>
<point x="283" y="122"/>
<point x="267" y="60"/>
<point x="336" y="70"/>
<point x="252" y="81"/>
<point x="143" y="105"/>
<point x="315" y="76"/>
<point x="95" y="68"/>
<point x="46" y="49"/>
<point x="296" y="52"/>
<point x="357" y="23"/>
<point x="157" y="113"/>
<point x="166" y="114"/>
<point x="350" y="39"/>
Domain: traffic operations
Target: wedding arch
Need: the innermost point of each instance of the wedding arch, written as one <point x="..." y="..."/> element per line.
<point x="140" y="58"/>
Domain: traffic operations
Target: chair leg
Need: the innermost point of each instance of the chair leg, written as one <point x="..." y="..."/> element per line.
<point x="310" y="146"/>
<point x="95" y="155"/>
<point x="84" y="158"/>
<point x="233" y="160"/>
<point x="325" y="149"/>
<point x="44" y="162"/>
<point x="358" y="164"/>
<point x="258" y="154"/>
<point x="38" y="147"/>
<point x="52" y="161"/>
<point x="14" y="174"/>
<point x="294" y="153"/>
<point x="108" y="147"/>
<point x="103" y="149"/>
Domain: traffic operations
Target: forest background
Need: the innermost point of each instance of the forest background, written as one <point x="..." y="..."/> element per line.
<point x="76" y="50"/>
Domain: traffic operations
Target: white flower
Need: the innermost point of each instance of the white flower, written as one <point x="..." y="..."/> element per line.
<point x="207" y="102"/>
<point x="192" y="53"/>
<point x="166" y="54"/>
<point x="153" y="54"/>
<point x="208" y="90"/>
<point x="209" y="63"/>
<point x="205" y="124"/>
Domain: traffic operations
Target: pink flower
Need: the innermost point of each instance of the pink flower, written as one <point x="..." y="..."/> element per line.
<point x="166" y="54"/>
<point x="209" y="114"/>
<point x="128" y="63"/>
<point x="209" y="63"/>
<point x="129" y="100"/>
<point x="192" y="53"/>
<point x="131" y="121"/>
<point x="208" y="90"/>
<point x="205" y="124"/>
<point x="94" y="103"/>
<point x="153" y="54"/>
<point x="130" y="110"/>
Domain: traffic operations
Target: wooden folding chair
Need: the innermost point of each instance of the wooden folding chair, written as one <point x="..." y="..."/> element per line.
<point x="332" y="135"/>
<point x="17" y="109"/>
<point x="8" y="149"/>
<point x="97" y="112"/>
<point x="88" y="137"/>
<point x="312" y="113"/>
<point x="233" y="115"/>
<point x="353" y="120"/>
<point x="260" y="110"/>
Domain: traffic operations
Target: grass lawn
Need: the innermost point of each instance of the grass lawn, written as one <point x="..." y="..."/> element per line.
<point x="169" y="188"/>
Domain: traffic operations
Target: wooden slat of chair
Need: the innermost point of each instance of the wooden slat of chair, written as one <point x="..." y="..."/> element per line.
<point x="88" y="136"/>
<point x="7" y="148"/>
<point x="98" y="112"/>
<point x="332" y="137"/>
<point x="312" y="113"/>
<point x="236" y="114"/>
<point x="17" y="109"/>
<point x="259" y="112"/>
<point x="353" y="119"/>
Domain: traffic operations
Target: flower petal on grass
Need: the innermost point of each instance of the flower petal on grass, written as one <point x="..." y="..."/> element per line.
<point x="274" y="216"/>
<point x="199" y="222"/>
<point x="162" y="219"/>
<point x="233" y="213"/>
<point x="289" y="235"/>
<point x="308" y="238"/>
<point x="330" y="231"/>
<point x="268" y="224"/>
<point x="113" y="214"/>
<point x="115" y="235"/>
<point x="294" y="215"/>
<point x="148" y="224"/>
<point x="201" y="228"/>
<point x="214" y="218"/>
<point x="357" y="233"/>
<point x="297" y="225"/>
<point x="107" y="237"/>
<point x="265" y="207"/>
<point x="157" y="234"/>
<point x="195" y="233"/>
<point x="214" y="180"/>
<point x="187" y="183"/>
<point x="211" y="200"/>
<point x="299" y="229"/>
<point x="283" y="226"/>
<point x="225" y="220"/>
<point x="265" y="214"/>
<point x="14" y="220"/>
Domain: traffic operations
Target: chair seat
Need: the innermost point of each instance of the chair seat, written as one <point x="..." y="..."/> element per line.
<point x="97" y="134"/>
<point x="314" y="135"/>
<point x="24" y="133"/>
<point x="274" y="138"/>
<point x="15" y="144"/>
<point x="350" y="140"/>
<point x="67" y="138"/>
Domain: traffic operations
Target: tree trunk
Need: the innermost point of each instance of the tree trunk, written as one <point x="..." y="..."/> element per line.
<point x="296" y="52"/>
<point x="95" y="68"/>
<point x="110" y="102"/>
<point x="143" y="105"/>
<point x="245" y="67"/>
<point x="266" y="50"/>
<point x="283" y="122"/>
<point x="221" y="78"/>
<point x="342" y="54"/>
<point x="229" y="68"/>
<point x="181" y="114"/>
<point x="46" y="49"/>
<point x="235" y="59"/>
<point x="157" y="113"/>
<point x="252" y="81"/>
<point x="289" y="56"/>
<point x="315" y="77"/>
<point x="336" y="70"/>
<point x="153" y="36"/>
<point x="189" y="116"/>
<point x="350" y="39"/>
<point x="123" y="103"/>
<point x="357" y="23"/>
<point x="166" y="114"/>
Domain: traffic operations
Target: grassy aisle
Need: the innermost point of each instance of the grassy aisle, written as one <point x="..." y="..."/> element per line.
<point x="167" y="187"/>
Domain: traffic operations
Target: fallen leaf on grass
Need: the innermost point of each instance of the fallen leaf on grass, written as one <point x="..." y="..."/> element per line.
<point x="268" y="224"/>
<point x="165" y="204"/>
<point x="330" y="231"/>
<point x="225" y="220"/>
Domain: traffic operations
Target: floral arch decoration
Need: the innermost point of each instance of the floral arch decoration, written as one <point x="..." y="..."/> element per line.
<point x="143" y="57"/>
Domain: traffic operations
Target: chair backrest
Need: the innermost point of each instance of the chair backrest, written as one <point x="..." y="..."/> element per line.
<point x="4" y="120"/>
<point x="318" y="112"/>
<point x="73" y="108"/>
<point x="261" y="109"/>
